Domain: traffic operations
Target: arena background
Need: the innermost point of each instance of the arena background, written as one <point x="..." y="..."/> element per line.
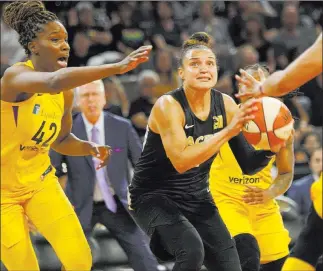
<point x="244" y="32"/>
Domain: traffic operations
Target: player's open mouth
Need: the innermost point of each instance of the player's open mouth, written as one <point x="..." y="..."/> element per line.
<point x="204" y="78"/>
<point x="62" y="61"/>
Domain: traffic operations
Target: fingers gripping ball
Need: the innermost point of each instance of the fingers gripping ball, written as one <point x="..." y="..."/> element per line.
<point x="272" y="125"/>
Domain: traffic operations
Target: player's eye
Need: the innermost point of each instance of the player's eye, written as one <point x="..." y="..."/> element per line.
<point x="54" y="40"/>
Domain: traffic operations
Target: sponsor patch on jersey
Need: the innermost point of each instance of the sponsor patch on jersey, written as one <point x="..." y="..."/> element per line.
<point x="36" y="109"/>
<point x="217" y="122"/>
<point x="244" y="180"/>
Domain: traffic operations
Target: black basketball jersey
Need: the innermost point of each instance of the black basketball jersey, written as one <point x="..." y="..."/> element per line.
<point x="154" y="172"/>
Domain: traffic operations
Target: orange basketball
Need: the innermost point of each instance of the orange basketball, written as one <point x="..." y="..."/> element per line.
<point x="272" y="125"/>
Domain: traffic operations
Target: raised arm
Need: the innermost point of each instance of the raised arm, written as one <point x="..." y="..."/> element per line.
<point x="20" y="78"/>
<point x="167" y="119"/>
<point x="304" y="68"/>
<point x="250" y="160"/>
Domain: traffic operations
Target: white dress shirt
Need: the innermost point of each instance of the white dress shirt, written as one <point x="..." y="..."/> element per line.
<point x="97" y="195"/>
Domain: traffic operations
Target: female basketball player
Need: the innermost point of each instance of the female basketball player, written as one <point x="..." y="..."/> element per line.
<point x="169" y="194"/>
<point x="247" y="203"/>
<point x="35" y="116"/>
<point x="304" y="68"/>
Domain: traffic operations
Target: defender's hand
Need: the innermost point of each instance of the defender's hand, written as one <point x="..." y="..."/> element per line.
<point x="255" y="195"/>
<point x="137" y="57"/>
<point x="255" y="86"/>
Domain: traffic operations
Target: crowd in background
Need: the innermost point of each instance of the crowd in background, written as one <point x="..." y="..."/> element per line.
<point x="244" y="33"/>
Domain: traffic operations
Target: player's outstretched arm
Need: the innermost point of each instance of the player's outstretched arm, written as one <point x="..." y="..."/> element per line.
<point x="68" y="144"/>
<point x="21" y="78"/>
<point x="167" y="119"/>
<point x="249" y="159"/>
<point x="304" y="68"/>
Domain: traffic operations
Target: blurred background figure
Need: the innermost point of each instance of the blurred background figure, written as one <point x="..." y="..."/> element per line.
<point x="300" y="189"/>
<point x="140" y="108"/>
<point x="100" y="196"/>
<point x="115" y="96"/>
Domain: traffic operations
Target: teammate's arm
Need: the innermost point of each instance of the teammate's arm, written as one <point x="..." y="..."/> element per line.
<point x="167" y="119"/>
<point x="68" y="144"/>
<point x="20" y="78"/>
<point x="250" y="160"/>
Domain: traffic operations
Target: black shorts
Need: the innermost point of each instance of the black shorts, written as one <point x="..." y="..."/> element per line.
<point x="153" y="210"/>
<point x="309" y="245"/>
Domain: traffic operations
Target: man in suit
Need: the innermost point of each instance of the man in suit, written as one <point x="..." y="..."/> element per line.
<point x="100" y="196"/>
<point x="300" y="189"/>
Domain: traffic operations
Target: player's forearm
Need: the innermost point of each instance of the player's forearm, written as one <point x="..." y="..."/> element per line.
<point x="249" y="159"/>
<point x="304" y="68"/>
<point x="197" y="154"/>
<point x="69" y="78"/>
<point x="281" y="184"/>
<point x="72" y="146"/>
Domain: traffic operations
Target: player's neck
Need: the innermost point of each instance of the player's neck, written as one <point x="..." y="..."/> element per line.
<point x="197" y="99"/>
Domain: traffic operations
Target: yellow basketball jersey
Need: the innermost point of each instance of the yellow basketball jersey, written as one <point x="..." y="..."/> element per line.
<point x="28" y="128"/>
<point x="226" y="175"/>
<point x="316" y="195"/>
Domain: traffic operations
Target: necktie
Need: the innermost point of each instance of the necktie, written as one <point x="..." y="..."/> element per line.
<point x="101" y="177"/>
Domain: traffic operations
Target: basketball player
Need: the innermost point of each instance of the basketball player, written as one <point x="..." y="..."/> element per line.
<point x="36" y="115"/>
<point x="169" y="195"/>
<point x="304" y="68"/>
<point x="247" y="203"/>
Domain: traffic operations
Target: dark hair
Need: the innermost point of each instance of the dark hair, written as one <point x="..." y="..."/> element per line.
<point x="197" y="40"/>
<point x="27" y="19"/>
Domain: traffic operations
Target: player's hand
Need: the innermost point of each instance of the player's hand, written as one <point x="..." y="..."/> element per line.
<point x="102" y="153"/>
<point x="243" y="115"/>
<point x="134" y="59"/>
<point x="255" y="195"/>
<point x="255" y="87"/>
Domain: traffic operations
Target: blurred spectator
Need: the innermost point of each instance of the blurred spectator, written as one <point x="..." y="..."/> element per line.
<point x="238" y="12"/>
<point x="293" y="38"/>
<point x="310" y="142"/>
<point x="246" y="55"/>
<point x="100" y="196"/>
<point x="314" y="90"/>
<point x="115" y="96"/>
<point x="166" y="34"/>
<point x="217" y="27"/>
<point x="254" y="34"/>
<point x="144" y="14"/>
<point x="164" y="66"/>
<point x="300" y="189"/>
<point x="127" y="36"/>
<point x="183" y="12"/>
<point x="140" y="108"/>
<point x="11" y="50"/>
<point x="85" y="36"/>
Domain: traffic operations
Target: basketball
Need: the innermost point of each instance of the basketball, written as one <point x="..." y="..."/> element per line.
<point x="272" y="125"/>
